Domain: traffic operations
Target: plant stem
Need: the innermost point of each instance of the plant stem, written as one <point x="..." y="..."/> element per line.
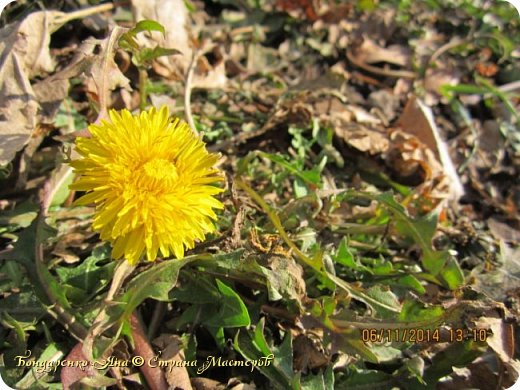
<point x="143" y="77"/>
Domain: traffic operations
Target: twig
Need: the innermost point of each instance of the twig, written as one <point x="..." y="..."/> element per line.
<point x="406" y="74"/>
<point x="187" y="91"/>
<point x="444" y="48"/>
<point x="83" y="13"/>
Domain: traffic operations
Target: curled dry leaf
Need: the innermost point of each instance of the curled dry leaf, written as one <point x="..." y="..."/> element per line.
<point x="502" y="341"/>
<point x="417" y="120"/>
<point x="24" y="48"/>
<point x="435" y="79"/>
<point x="25" y="54"/>
<point x="176" y="376"/>
<point x="370" y="52"/>
<point x="173" y="16"/>
<point x="363" y="138"/>
<point x="103" y="67"/>
<point x="307" y="354"/>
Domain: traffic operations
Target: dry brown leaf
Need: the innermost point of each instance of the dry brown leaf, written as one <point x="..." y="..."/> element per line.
<point x="503" y="231"/>
<point x="363" y="138"/>
<point x="502" y="341"/>
<point x="207" y="384"/>
<point x="177" y="377"/>
<point x="417" y="119"/>
<point x="370" y="52"/>
<point x="307" y="355"/>
<point x="25" y="54"/>
<point x="289" y="278"/>
<point x="103" y="67"/>
<point x="173" y="15"/>
<point x="24" y="48"/>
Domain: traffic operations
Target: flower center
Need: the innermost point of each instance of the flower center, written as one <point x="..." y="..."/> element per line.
<point x="161" y="170"/>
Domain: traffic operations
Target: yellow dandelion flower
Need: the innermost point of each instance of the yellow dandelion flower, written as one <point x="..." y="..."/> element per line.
<point x="150" y="179"/>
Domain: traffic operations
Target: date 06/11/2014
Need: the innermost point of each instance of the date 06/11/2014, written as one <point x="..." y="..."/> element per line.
<point x="419" y="335"/>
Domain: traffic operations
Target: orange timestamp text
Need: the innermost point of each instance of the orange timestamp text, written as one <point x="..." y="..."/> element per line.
<point x="420" y="335"/>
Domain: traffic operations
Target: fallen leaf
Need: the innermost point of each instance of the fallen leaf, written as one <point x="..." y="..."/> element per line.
<point x="503" y="231"/>
<point x="176" y="376"/>
<point x="25" y="54"/>
<point x="363" y="138"/>
<point x="502" y="341"/>
<point x="286" y="279"/>
<point x="370" y="52"/>
<point x="307" y="356"/>
<point x="173" y="16"/>
<point x="505" y="277"/>
<point x="103" y="68"/>
<point x="200" y="383"/>
<point x="417" y="119"/>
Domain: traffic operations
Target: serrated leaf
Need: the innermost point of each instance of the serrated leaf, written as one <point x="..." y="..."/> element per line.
<point x="284" y="356"/>
<point x="345" y="257"/>
<point x="362" y="379"/>
<point x="259" y="338"/>
<point x="421" y="230"/>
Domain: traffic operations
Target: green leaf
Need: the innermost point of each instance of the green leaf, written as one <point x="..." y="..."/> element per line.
<point x="362" y="379"/>
<point x="50" y="354"/>
<point x="244" y="344"/>
<point x="421" y="230"/>
<point x="409" y="281"/>
<point x="416" y="311"/>
<point x="259" y="338"/>
<point x="321" y="381"/>
<point x="147" y="55"/>
<point x="127" y="40"/>
<point x="195" y="289"/>
<point x="232" y="312"/>
<point x="153" y="283"/>
<point x="455" y="355"/>
<point x="345" y="257"/>
<point x="23" y="306"/>
<point x="20" y="217"/>
<point x="451" y="274"/>
<point x="309" y="176"/>
<point x="88" y="275"/>
<point x="284" y="356"/>
<point x="147" y="25"/>
<point x="386" y="299"/>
